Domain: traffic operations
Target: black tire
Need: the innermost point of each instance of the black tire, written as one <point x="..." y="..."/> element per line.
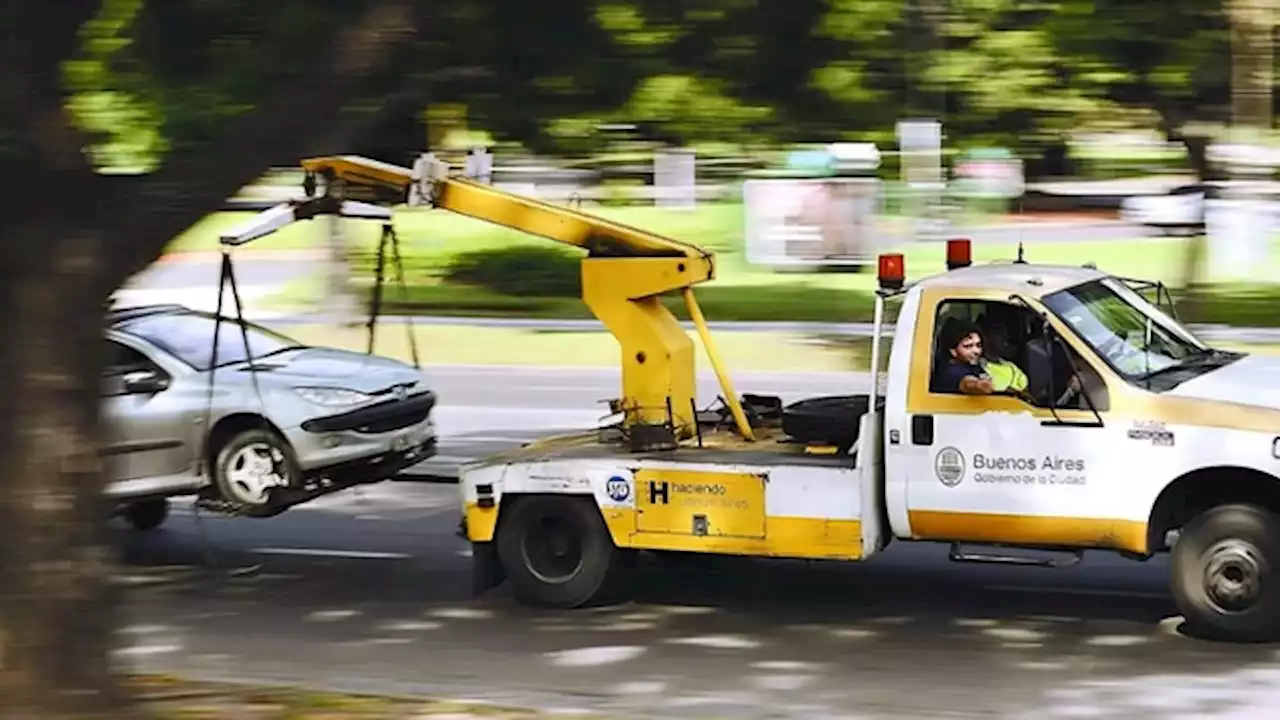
<point x="585" y="568"/>
<point x="230" y="492"/>
<point x="146" y="515"/>
<point x="831" y="420"/>
<point x="1218" y="557"/>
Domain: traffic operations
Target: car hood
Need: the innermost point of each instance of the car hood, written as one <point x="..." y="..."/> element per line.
<point x="1251" y="380"/>
<point x="333" y="368"/>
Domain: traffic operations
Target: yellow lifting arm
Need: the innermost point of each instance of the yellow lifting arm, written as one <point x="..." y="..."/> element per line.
<point x="625" y="273"/>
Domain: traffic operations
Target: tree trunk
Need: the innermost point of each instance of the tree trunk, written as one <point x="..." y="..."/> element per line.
<point x="1193" y="260"/>
<point x="1197" y="147"/>
<point x="1252" y="62"/>
<point x="57" y="608"/>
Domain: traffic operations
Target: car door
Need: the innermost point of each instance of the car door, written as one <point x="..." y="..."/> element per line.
<point x="1003" y="470"/>
<point x="143" y="422"/>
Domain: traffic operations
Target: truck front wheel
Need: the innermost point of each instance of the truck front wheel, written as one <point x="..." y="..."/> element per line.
<point x="1223" y="573"/>
<point x="556" y="551"/>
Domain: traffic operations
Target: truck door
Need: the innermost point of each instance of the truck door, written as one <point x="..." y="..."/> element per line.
<point x="1000" y="469"/>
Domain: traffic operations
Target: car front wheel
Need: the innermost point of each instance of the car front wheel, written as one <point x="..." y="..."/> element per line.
<point x="253" y="470"/>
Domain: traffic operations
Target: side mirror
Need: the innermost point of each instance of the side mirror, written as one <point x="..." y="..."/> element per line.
<point x="144" y="382"/>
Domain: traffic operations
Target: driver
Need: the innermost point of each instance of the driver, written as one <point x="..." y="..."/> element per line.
<point x="962" y="372"/>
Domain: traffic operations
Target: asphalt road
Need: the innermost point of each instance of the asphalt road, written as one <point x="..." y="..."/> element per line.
<point x="369" y="590"/>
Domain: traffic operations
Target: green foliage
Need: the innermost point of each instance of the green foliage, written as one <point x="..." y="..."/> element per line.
<point x="695" y="109"/>
<point x="109" y="96"/>
<point x="1172" y="57"/>
<point x="519" y="271"/>
<point x="154" y="77"/>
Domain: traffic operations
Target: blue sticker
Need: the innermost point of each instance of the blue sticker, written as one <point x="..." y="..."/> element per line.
<point x="618" y="488"/>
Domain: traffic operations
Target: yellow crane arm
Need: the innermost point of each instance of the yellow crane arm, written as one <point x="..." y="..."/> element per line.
<point x="625" y="273"/>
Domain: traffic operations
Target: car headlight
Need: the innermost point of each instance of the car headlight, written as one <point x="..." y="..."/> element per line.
<point x="331" y="397"/>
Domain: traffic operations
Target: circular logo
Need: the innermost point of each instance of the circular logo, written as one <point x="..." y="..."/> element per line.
<point x="949" y="465"/>
<point x="618" y="488"/>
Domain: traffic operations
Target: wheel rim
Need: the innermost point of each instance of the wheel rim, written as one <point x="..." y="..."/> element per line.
<point x="254" y="470"/>
<point x="1233" y="573"/>
<point x="552" y="549"/>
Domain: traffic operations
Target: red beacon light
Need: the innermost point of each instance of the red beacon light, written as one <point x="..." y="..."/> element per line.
<point x="959" y="253"/>
<point x="892" y="271"/>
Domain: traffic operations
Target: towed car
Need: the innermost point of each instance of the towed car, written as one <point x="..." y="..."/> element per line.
<point x="250" y="433"/>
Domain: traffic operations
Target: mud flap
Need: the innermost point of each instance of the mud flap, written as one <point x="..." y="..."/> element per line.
<point x="486" y="569"/>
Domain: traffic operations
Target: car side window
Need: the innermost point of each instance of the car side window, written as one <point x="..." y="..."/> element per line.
<point x="121" y="360"/>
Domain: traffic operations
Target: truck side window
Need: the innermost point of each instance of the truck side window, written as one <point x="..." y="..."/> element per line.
<point x="951" y="316"/>
<point x="1051" y="365"/>
<point x="1015" y="354"/>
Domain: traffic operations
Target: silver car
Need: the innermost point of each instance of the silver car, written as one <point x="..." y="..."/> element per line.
<point x="319" y="419"/>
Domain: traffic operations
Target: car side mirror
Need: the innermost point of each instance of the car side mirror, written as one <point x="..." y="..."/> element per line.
<point x="144" y="382"/>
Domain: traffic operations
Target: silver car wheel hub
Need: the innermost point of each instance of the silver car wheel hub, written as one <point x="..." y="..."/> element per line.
<point x="254" y="470"/>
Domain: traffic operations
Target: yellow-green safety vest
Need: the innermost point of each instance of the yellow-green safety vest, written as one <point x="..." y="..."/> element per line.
<point x="1006" y="375"/>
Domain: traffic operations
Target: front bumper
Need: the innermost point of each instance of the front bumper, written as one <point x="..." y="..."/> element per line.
<point x="367" y="444"/>
<point x="386" y="416"/>
<point x="375" y="468"/>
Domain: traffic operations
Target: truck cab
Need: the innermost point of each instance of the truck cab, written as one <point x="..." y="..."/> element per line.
<point x="1129" y="434"/>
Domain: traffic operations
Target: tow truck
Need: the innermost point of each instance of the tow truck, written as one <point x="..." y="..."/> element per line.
<point x="1132" y="435"/>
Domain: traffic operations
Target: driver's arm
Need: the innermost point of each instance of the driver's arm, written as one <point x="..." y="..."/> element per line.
<point x="971" y="385"/>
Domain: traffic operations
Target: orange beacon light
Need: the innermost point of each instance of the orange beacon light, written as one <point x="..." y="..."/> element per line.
<point x="892" y="271"/>
<point x="959" y="253"/>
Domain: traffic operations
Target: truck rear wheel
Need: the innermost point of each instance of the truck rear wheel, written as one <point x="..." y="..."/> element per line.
<point x="556" y="551"/>
<point x="1223" y="574"/>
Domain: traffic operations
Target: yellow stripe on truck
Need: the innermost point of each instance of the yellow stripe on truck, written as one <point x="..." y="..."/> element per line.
<point x="783" y="537"/>
<point x="1028" y="530"/>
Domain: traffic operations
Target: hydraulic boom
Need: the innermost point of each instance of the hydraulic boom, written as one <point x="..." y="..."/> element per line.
<point x="624" y="275"/>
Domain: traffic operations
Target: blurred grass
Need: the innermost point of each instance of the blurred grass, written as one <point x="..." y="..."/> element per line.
<point x="741" y="351"/>
<point x="741" y="293"/>
<point x="433" y="240"/>
<point x="462" y="345"/>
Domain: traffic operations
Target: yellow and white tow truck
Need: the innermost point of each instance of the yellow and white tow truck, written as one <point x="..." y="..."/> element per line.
<point x="1131" y="435"/>
<point x="1171" y="446"/>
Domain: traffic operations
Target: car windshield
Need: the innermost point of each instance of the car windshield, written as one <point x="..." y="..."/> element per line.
<point x="189" y="337"/>
<point x="1113" y="320"/>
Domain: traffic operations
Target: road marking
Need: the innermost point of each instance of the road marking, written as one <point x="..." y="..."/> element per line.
<point x="310" y="552"/>
<point x="477" y="439"/>
<point x="1078" y="591"/>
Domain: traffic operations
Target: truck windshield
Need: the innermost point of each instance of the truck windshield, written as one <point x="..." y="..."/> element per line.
<point x="1114" y="320"/>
